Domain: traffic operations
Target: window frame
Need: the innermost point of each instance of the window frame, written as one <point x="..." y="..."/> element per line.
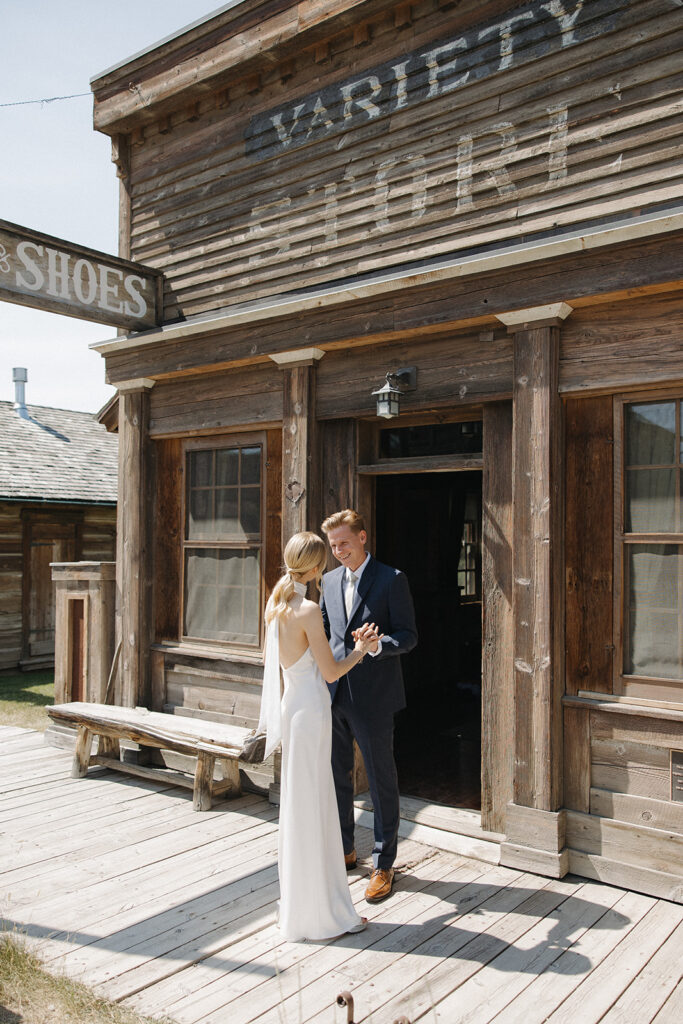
<point x="648" y="689"/>
<point x="215" y="442"/>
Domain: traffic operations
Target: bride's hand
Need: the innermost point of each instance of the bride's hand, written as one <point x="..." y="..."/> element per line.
<point x="367" y="636"/>
<point x="362" y="645"/>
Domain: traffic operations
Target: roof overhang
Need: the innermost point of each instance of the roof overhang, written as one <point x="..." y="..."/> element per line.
<point x="384" y="284"/>
<point x="239" y="39"/>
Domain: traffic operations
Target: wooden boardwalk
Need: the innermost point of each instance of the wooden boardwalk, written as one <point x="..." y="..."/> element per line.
<point x="120" y="884"/>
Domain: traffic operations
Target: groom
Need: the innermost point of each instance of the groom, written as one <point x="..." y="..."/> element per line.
<point x="364" y="702"/>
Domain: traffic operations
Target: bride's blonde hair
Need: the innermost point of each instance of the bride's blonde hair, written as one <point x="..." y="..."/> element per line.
<point x="304" y="551"/>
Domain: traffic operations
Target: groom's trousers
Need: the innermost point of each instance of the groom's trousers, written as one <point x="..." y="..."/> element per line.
<point x="376" y="744"/>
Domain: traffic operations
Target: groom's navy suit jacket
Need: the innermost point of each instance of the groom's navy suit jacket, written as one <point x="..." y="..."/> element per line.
<point x="382" y="597"/>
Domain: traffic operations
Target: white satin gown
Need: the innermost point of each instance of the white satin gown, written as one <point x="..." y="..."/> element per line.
<point x="315" y="902"/>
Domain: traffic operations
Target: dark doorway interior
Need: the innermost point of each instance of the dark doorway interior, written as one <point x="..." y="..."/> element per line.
<point x="429" y="525"/>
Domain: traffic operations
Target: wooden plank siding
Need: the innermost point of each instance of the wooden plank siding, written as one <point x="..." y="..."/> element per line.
<point x="434" y="307"/>
<point x="588" y="544"/>
<point x="93" y="529"/>
<point x="245" y="396"/>
<point x="622" y="823"/>
<point x="11" y="570"/>
<point x="553" y="127"/>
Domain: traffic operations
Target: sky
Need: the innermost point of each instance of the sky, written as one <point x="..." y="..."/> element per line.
<point x="56" y="174"/>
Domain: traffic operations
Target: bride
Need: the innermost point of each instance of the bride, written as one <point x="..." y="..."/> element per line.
<point x="314" y="895"/>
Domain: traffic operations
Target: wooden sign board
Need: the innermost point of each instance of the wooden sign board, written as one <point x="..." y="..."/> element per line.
<point x="48" y="273"/>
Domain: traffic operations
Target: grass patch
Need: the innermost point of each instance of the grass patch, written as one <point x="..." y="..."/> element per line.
<point x="29" y="995"/>
<point x="24" y="697"/>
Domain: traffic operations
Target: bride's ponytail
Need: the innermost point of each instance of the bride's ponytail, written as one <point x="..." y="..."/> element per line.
<point x="304" y="552"/>
<point x="282" y="592"/>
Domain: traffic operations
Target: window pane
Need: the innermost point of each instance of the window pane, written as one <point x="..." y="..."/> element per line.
<point x="251" y="466"/>
<point x="652" y="642"/>
<point x="226" y="512"/>
<point x="651" y="434"/>
<point x="650" y="500"/>
<point x="201" y="469"/>
<point x="250" y="510"/>
<point x="222" y="595"/>
<point x="200" y="594"/>
<point x="432" y="439"/>
<point x="200" y="515"/>
<point x="227" y="466"/>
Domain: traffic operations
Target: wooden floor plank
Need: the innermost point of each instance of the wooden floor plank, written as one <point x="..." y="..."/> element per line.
<point x="603" y="986"/>
<point x="387" y="984"/>
<point x="550" y="989"/>
<point x="388" y="968"/>
<point x="154" y="968"/>
<point x="13" y="730"/>
<point x="205" y="972"/>
<point x="121" y="884"/>
<point x="653" y="986"/>
<point x="459" y="961"/>
<point x="672" y="1011"/>
<point x="269" y="956"/>
<point x="148" y="863"/>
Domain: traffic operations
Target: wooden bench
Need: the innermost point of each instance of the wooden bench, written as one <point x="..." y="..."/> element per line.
<point x="205" y="740"/>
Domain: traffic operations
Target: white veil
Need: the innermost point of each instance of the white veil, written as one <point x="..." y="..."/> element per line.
<point x="270" y="720"/>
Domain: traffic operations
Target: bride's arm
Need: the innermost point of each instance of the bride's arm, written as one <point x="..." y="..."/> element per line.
<point x="312" y="622"/>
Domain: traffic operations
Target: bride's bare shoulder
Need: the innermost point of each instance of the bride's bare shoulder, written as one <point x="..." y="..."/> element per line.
<point x="310" y="609"/>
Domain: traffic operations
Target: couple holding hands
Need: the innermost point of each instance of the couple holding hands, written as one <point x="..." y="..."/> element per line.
<point x="351" y="642"/>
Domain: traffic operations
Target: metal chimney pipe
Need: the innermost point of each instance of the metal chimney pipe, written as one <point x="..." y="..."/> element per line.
<point x="20" y="377"/>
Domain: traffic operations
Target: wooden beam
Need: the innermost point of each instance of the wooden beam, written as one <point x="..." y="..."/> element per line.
<point x="298" y="441"/>
<point x="497" y="729"/>
<point x="134" y="556"/>
<point x="537" y="568"/>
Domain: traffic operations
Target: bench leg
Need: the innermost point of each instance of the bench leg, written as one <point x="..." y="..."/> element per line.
<point x="108" y="746"/>
<point x="203" y="779"/>
<point x="231" y="786"/>
<point x="81" y="759"/>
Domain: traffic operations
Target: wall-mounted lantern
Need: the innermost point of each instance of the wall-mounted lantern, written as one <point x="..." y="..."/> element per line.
<point x="388" y="397"/>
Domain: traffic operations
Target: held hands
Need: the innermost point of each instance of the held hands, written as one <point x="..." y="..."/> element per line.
<point x="366" y="637"/>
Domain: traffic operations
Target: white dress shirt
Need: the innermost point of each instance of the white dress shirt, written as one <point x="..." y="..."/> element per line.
<point x="358" y="573"/>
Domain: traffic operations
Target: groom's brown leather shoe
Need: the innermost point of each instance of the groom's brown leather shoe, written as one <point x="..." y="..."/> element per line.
<point x="350" y="859"/>
<point x="380" y="885"/>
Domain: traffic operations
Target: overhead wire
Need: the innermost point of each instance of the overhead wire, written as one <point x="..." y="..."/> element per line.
<point x="47" y="99"/>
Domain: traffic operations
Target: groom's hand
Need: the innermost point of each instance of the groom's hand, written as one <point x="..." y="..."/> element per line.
<point x="368" y="632"/>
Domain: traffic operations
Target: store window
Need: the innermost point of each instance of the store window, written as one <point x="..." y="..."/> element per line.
<point x="223" y="540"/>
<point x="650" y="546"/>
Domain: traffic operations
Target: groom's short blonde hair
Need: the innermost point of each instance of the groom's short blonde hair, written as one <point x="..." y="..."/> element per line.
<point x="347" y="517"/>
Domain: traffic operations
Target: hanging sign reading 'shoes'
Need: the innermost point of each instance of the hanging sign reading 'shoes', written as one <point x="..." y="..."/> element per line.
<point x="48" y="273"/>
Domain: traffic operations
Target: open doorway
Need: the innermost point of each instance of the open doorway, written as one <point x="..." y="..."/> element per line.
<point x="429" y="525"/>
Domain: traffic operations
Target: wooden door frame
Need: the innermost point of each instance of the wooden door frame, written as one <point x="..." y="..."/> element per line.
<point x="496" y="677"/>
<point x="59" y="519"/>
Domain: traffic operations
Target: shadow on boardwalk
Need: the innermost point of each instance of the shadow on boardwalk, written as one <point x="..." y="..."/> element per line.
<point x="119" y="884"/>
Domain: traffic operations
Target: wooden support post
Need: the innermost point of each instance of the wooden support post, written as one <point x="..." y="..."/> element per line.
<point x="203" y="779"/>
<point x="299" y="447"/>
<point x="133" y="569"/>
<point x="82" y="751"/>
<point x="497" y="697"/>
<point x="537" y="588"/>
<point x="120" y="154"/>
<point x="299" y="442"/>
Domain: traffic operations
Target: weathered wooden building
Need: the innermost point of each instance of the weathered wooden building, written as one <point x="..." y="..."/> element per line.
<point x="487" y="192"/>
<point x="58" y="473"/>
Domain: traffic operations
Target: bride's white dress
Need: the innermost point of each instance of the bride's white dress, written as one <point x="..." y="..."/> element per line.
<point x="315" y="902"/>
<point x="314" y="892"/>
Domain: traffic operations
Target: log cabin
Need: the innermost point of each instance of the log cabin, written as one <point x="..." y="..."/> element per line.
<point x="58" y="486"/>
<point x="473" y="207"/>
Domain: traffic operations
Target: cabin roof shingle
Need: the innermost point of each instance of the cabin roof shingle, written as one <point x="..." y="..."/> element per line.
<point x="56" y="455"/>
